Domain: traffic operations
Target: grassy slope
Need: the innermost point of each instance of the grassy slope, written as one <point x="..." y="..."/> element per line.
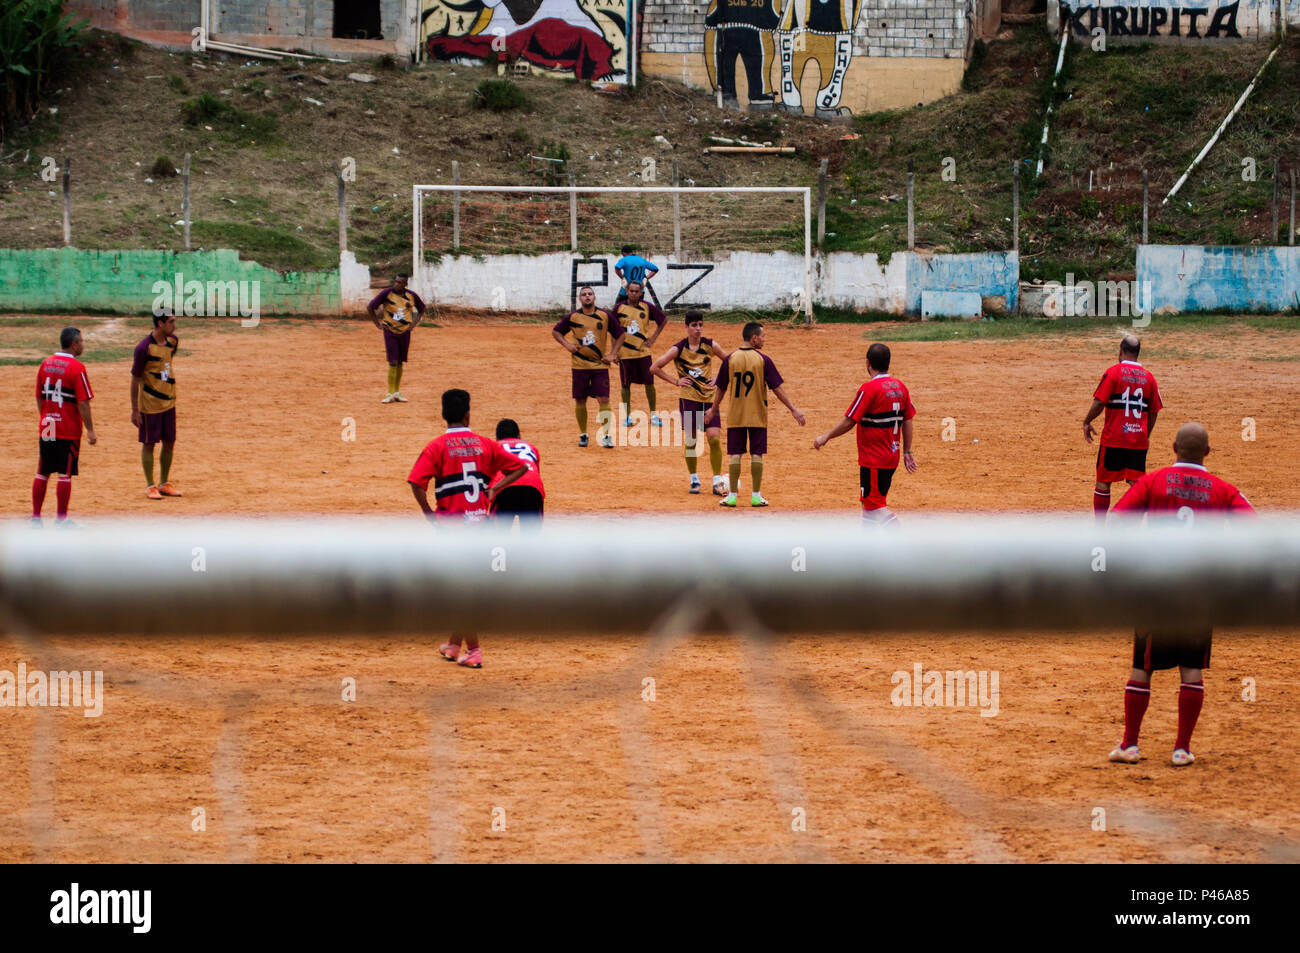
<point x="263" y="180"/>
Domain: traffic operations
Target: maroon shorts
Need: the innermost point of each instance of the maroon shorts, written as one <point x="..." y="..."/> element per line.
<point x="1153" y="651"/>
<point x="737" y="437"/>
<point x="635" y="370"/>
<point x="590" y="384"/>
<point x="1119" y="463"/>
<point x="695" y="410"/>
<point x="59" y="456"/>
<point x="158" y="427"/>
<point x="396" y="346"/>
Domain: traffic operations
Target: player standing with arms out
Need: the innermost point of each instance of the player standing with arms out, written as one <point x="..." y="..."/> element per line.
<point x="585" y="334"/>
<point x="1129" y="395"/>
<point x="525" y="497"/>
<point x="1180" y="491"/>
<point x="153" y="401"/>
<point x="632" y="267"/>
<point x="642" y="322"/>
<point x="747" y="374"/>
<point x="692" y="357"/>
<point x="63" y="397"/>
<point x="397" y="311"/>
<point x="881" y="410"/>
<point x="462" y="467"/>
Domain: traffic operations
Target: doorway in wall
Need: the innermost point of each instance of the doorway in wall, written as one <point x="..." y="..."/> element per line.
<point x="357" y="20"/>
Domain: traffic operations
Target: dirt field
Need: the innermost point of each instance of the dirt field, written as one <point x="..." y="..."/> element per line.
<point x="552" y="741"/>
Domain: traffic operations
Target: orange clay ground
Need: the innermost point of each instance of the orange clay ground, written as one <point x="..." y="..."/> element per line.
<point x="550" y="753"/>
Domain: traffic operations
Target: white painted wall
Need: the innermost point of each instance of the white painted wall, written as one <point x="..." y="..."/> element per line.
<point x="354" y="284"/>
<point x="744" y="280"/>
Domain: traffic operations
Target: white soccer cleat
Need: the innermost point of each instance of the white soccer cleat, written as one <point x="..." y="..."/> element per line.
<point x="397" y="396"/>
<point x="695" y="485"/>
<point x="1182" y="758"/>
<point x="389" y="399"/>
<point x="1122" y="755"/>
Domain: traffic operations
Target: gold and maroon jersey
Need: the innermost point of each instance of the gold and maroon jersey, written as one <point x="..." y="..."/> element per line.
<point x="745" y="377"/>
<point x="590" y="332"/>
<point x="155" y="364"/>
<point x="397" y="310"/>
<point x="639" y="321"/>
<point x="696" y="367"/>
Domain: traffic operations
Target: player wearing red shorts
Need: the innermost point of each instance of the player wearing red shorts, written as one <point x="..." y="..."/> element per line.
<point x="692" y="358"/>
<point x="1131" y="399"/>
<point x="63" y="397"/>
<point x="882" y="411"/>
<point x="1182" y="491"/>
<point x="643" y="322"/>
<point x="463" y="468"/>
<point x="153" y="401"/>
<point x="526" y="496"/>
<point x="585" y="334"/>
<point x="747" y="374"/>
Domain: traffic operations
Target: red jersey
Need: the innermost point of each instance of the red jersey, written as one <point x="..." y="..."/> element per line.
<point x="62" y="384"/>
<point x="1182" y="485"/>
<point x="1130" y="394"/>
<point x="526" y="452"/>
<point x="879" y="408"/>
<point x="461" y="465"/>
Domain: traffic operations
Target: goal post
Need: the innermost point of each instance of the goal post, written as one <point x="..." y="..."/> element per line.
<point x="318" y="577"/>
<point x="528" y="248"/>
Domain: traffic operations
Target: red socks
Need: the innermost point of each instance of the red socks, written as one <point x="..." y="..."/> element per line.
<point x="39" y="486"/>
<point x="1190" y="698"/>
<point x="1136" y="698"/>
<point x="1100" y="504"/>
<point x="62" y="493"/>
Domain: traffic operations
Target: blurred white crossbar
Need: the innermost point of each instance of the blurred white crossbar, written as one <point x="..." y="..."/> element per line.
<point x="614" y="575"/>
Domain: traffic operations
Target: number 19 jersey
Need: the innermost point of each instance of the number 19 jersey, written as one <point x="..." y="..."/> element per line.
<point x="461" y="465"/>
<point x="1130" y="394"/>
<point x="879" y="409"/>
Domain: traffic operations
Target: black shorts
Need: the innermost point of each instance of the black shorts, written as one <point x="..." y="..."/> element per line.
<point x="522" y="501"/>
<point x="1120" y="463"/>
<point x="59" y="456"/>
<point x="1153" y="651"/>
<point x="873" y="486"/>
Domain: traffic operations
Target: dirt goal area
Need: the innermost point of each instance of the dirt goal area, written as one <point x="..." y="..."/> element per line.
<point x="595" y="747"/>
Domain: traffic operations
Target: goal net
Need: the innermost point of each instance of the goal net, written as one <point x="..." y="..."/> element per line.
<point x="527" y="249"/>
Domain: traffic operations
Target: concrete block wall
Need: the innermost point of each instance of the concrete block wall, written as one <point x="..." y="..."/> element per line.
<point x="73" y="280"/>
<point x="927" y="28"/>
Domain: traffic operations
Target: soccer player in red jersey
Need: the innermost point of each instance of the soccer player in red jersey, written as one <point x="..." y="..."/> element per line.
<point x="63" y="397"/>
<point x="462" y="467"/>
<point x="1131" y="399"/>
<point x="1181" y="491"/>
<point x="525" y="497"/>
<point x="882" y="411"/>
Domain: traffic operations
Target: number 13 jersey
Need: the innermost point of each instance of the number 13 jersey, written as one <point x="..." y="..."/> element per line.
<point x="1130" y="394"/>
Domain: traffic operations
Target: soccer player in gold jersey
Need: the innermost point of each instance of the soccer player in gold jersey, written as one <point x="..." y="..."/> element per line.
<point x="586" y="335"/>
<point x="692" y="358"/>
<point x="747" y="375"/>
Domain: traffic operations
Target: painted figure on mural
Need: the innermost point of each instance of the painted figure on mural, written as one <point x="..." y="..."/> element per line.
<point x="556" y="35"/>
<point x="742" y="29"/>
<point x="819" y="31"/>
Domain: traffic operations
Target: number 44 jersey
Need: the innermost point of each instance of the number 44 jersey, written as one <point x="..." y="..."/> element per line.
<point x="461" y="465"/>
<point x="62" y="384"/>
<point x="879" y="408"/>
<point x="1130" y="394"/>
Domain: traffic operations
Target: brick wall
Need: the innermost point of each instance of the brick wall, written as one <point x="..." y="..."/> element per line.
<point x="929" y="28"/>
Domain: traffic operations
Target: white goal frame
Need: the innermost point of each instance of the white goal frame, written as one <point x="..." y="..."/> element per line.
<point x="573" y="191"/>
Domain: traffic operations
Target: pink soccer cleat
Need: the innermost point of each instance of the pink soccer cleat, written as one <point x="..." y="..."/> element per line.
<point x="450" y="652"/>
<point x="473" y="659"/>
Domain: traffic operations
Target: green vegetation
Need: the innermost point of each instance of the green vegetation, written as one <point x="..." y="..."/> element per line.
<point x="965" y="330"/>
<point x="35" y="40"/>
<point x="209" y="110"/>
<point x="499" y="95"/>
<point x="263" y="244"/>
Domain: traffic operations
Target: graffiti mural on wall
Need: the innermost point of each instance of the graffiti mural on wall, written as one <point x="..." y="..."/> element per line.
<point x="796" y="34"/>
<point x="1207" y="21"/>
<point x="586" y="39"/>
